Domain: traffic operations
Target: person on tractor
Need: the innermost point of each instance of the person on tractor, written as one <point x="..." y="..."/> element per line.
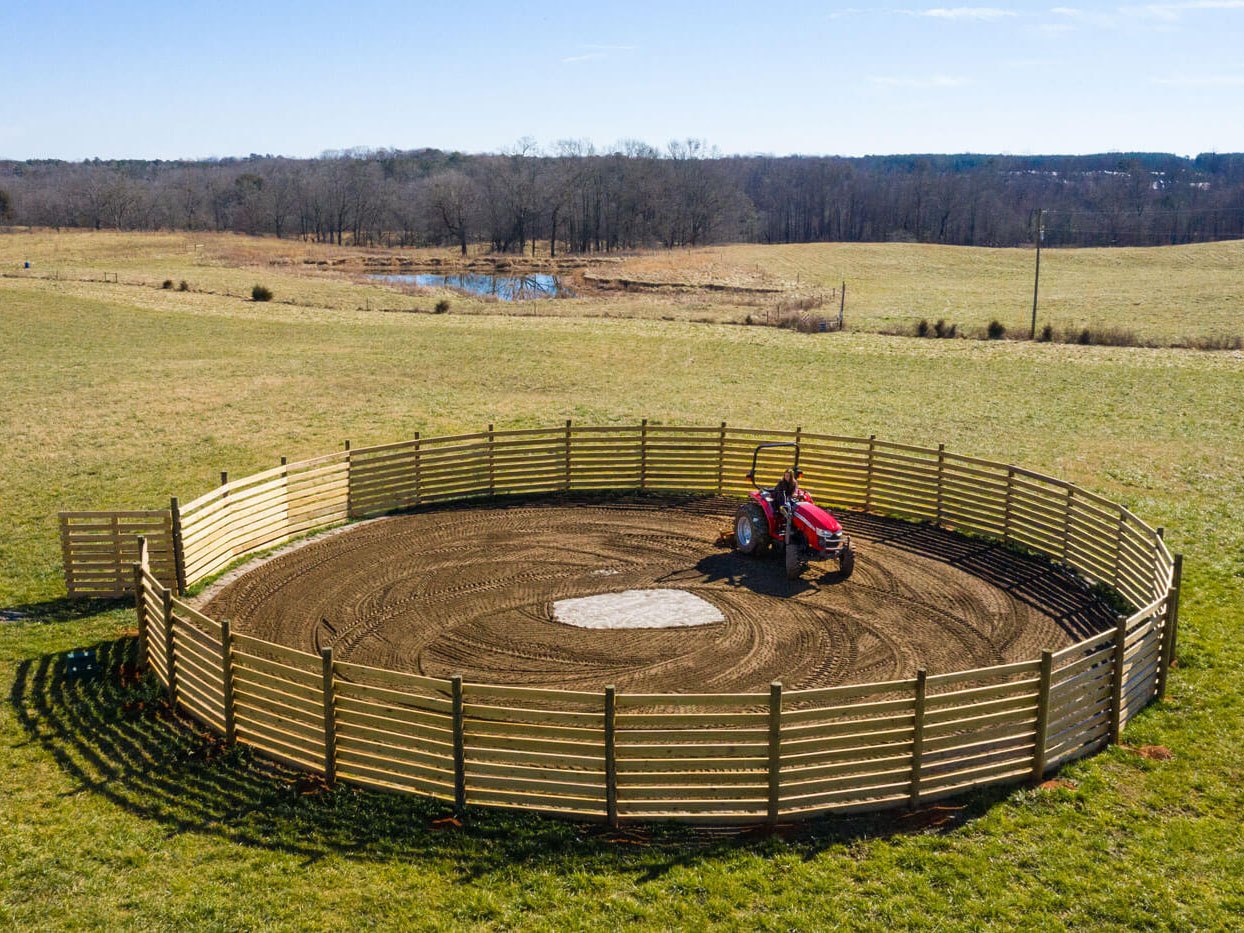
<point x="783" y="494"/>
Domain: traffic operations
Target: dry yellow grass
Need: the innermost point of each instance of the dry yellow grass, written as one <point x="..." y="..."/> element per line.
<point x="1163" y="294"/>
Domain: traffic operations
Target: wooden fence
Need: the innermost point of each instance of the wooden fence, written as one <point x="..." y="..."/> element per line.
<point x="720" y="758"/>
<point x="99" y="550"/>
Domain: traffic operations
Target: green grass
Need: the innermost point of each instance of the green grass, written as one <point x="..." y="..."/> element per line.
<point x="114" y="815"/>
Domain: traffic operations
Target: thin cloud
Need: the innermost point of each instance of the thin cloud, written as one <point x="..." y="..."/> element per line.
<point x="585" y="57"/>
<point x="1200" y="81"/>
<point x="971" y="13"/>
<point x="1073" y="14"/>
<point x="1172" y="12"/>
<point x="931" y="81"/>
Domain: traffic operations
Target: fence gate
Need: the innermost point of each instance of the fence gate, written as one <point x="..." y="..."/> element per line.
<point x="100" y="549"/>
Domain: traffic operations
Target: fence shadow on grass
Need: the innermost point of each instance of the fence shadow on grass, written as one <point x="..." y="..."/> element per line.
<point x="113" y="733"/>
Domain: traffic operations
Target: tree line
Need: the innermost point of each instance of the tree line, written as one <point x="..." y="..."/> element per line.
<point x="577" y="199"/>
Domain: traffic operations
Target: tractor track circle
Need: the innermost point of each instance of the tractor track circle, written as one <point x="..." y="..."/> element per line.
<point x="469" y="590"/>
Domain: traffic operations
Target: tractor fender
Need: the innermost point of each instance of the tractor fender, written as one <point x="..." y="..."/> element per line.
<point x="770" y="515"/>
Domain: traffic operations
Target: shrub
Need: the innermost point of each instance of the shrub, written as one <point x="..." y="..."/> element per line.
<point x="1216" y="342"/>
<point x="996" y="330"/>
<point x="442" y="307"/>
<point x="1085" y="338"/>
<point x="168" y="285"/>
<point x="939" y="329"/>
<point x="184" y="286"/>
<point x="922" y="329"/>
<point x="259" y="293"/>
<point x="1047" y="334"/>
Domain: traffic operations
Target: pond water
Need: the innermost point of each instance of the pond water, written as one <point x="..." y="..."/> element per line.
<point x="503" y="287"/>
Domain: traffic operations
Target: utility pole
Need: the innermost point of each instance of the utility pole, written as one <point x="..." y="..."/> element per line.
<point x="1036" y="281"/>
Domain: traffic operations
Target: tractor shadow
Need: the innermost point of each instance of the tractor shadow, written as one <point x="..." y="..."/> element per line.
<point x="765" y="576"/>
<point x="112" y="734"/>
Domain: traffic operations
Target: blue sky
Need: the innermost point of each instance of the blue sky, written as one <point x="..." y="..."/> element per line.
<point x="170" y="79"/>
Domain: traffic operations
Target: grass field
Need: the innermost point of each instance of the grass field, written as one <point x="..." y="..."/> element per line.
<point x="120" y="395"/>
<point x="1163" y="295"/>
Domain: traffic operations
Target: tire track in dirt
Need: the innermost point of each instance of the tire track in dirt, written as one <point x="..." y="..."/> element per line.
<point x="470" y="591"/>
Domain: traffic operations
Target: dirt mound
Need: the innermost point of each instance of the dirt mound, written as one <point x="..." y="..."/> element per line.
<point x="470" y="591"/>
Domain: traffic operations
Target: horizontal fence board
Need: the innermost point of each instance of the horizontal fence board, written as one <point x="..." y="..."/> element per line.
<point x="365" y="771"/>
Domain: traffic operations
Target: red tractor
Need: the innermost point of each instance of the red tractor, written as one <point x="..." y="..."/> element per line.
<point x="802" y="529"/>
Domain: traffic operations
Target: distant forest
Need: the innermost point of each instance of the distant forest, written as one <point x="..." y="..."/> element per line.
<point x="581" y="201"/>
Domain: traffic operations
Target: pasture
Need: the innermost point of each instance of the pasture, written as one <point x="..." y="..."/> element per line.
<point x="1162" y="295"/>
<point x="118" y="395"/>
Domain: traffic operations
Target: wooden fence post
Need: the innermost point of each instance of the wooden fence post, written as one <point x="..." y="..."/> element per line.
<point x="721" y="458"/>
<point x="643" y="454"/>
<point x="1116" y="685"/>
<point x="140" y="598"/>
<point x="868" y="480"/>
<point x="917" y="737"/>
<point x="418" y="469"/>
<point x="118" y="573"/>
<point x="349" y="487"/>
<point x="611" y="756"/>
<point x="1043" y="716"/>
<point x="492" y="465"/>
<point x="1066" y="542"/>
<point x="224" y="479"/>
<point x="330" y="717"/>
<point x="1168" y="626"/>
<point x="1157" y="554"/>
<point x="226" y="679"/>
<point x="166" y="606"/>
<point x="179" y="549"/>
<point x="566" y="479"/>
<point x="941" y="475"/>
<point x="1006" y="512"/>
<point x="775" y="752"/>
<point x="1118" y="549"/>
<point x="459" y="746"/>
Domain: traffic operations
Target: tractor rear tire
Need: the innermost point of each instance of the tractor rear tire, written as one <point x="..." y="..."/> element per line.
<point x="846" y="563"/>
<point x="794" y="566"/>
<point x="751" y="530"/>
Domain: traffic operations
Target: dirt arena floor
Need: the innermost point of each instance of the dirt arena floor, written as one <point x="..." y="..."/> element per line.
<point x="470" y="591"/>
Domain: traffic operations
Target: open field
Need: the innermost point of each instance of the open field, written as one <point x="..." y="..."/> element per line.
<point x="120" y="395"/>
<point x="1164" y="295"/>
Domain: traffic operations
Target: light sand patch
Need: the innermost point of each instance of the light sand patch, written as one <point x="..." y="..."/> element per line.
<point x="637" y="609"/>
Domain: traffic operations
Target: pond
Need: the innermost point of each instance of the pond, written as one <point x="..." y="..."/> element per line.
<point x="503" y="287"/>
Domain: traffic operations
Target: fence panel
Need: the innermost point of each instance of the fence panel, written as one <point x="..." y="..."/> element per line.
<point x="394" y="731"/>
<point x="693" y="758"/>
<point x="197" y="652"/>
<point x="279" y="701"/>
<point x="847" y="749"/>
<point x="534" y="749"/>
<point x="99" y="550"/>
<point x="262" y="511"/>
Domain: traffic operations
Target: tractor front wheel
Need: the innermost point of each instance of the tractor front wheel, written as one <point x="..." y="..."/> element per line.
<point x="846" y="563"/>
<point x="751" y="531"/>
<point x="794" y="565"/>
